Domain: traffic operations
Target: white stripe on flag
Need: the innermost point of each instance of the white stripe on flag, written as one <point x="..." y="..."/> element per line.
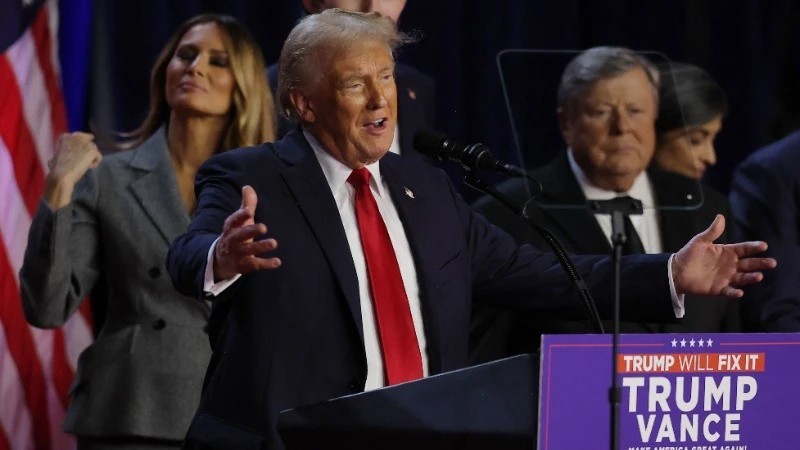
<point x="52" y="24"/>
<point x="44" y="340"/>
<point x="15" y="418"/>
<point x="14" y="222"/>
<point x="33" y="90"/>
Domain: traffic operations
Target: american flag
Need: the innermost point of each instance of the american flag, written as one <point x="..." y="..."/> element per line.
<point x="36" y="366"/>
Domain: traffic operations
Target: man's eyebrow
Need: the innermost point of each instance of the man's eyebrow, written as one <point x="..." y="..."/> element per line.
<point x="352" y="76"/>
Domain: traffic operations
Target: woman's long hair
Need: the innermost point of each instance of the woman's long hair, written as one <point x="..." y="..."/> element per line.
<point x="252" y="110"/>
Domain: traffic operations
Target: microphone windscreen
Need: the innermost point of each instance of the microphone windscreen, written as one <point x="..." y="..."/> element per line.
<point x="429" y="142"/>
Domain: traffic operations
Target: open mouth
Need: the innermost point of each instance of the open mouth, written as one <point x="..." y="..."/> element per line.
<point x="377" y="123"/>
<point x="377" y="126"/>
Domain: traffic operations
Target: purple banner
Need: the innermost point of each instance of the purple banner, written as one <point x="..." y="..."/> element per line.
<point x="679" y="392"/>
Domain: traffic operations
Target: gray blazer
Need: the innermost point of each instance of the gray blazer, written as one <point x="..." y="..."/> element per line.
<point x="143" y="375"/>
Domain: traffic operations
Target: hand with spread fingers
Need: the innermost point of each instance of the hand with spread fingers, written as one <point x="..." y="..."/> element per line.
<point x="705" y="268"/>
<point x="236" y="250"/>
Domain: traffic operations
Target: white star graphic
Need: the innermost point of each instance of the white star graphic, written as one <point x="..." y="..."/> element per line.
<point x="691" y="343"/>
<point x="683" y="342"/>
<point x="700" y="342"/>
<point x="674" y="343"/>
<point x="709" y="342"/>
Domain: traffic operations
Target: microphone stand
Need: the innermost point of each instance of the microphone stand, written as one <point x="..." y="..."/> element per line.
<point x="472" y="180"/>
<point x="619" y="208"/>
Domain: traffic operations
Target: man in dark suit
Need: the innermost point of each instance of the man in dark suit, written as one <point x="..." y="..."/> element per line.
<point x="416" y="92"/>
<point x="607" y="107"/>
<point x="765" y="204"/>
<point x="362" y="230"/>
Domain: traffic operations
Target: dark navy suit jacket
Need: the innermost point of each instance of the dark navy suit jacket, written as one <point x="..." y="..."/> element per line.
<point x="293" y="336"/>
<point x="765" y="198"/>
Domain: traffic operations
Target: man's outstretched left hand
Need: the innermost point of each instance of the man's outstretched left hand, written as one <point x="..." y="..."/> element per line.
<point x="705" y="268"/>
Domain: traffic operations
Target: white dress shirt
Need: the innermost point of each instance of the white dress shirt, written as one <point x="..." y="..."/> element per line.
<point x="395" y="148"/>
<point x="336" y="174"/>
<point x="646" y="224"/>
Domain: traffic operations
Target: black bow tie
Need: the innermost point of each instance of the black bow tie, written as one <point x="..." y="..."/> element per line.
<point x="633" y="244"/>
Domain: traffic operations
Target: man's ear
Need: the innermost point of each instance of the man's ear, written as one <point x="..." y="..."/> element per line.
<point x="656" y="103"/>
<point x="303" y="106"/>
<point x="564" y="124"/>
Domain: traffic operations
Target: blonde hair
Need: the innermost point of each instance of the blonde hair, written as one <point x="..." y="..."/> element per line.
<point x="252" y="120"/>
<point x="335" y="28"/>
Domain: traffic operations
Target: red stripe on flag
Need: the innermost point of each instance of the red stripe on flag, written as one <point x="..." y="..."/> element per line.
<point x="4" y="445"/>
<point x="85" y="309"/>
<point x="23" y="352"/>
<point x="17" y="137"/>
<point x="44" y="49"/>
<point x="62" y="372"/>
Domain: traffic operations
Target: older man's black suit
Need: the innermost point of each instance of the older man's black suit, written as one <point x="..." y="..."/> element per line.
<point x="293" y="335"/>
<point x="497" y="333"/>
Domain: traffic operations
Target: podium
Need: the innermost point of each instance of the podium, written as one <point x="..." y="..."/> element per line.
<point x="493" y="405"/>
<point x="678" y="391"/>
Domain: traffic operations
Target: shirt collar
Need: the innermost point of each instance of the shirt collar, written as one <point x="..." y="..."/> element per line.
<point x="641" y="188"/>
<point x="336" y="173"/>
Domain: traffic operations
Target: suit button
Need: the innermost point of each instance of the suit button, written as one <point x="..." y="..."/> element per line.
<point x="159" y="324"/>
<point x="354" y="385"/>
<point x="154" y="272"/>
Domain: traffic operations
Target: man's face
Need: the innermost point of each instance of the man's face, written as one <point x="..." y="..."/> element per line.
<point x="351" y="107"/>
<point x="388" y="8"/>
<point x="611" y="129"/>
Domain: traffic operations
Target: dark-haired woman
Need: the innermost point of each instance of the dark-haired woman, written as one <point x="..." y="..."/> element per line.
<point x="691" y="109"/>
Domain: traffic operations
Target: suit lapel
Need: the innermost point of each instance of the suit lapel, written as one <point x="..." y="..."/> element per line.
<point x="675" y="196"/>
<point x="579" y="226"/>
<point x="309" y="187"/>
<point x="156" y="189"/>
<point x="411" y="215"/>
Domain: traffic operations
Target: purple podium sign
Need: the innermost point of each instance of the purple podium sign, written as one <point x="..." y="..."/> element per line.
<point x="679" y="392"/>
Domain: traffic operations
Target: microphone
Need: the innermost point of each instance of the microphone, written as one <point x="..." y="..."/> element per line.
<point x="474" y="156"/>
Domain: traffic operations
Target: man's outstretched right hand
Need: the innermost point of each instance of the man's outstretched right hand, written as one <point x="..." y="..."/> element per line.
<point x="236" y="250"/>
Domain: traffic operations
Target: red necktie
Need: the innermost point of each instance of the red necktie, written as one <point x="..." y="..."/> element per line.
<point x="399" y="347"/>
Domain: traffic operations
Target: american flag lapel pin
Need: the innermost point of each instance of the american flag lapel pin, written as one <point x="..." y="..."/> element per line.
<point x="409" y="192"/>
<point x="411" y="94"/>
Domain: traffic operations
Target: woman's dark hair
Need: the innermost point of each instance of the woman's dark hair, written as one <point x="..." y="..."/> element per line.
<point x="687" y="96"/>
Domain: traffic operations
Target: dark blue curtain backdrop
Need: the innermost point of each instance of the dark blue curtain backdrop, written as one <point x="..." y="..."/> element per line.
<point x="749" y="46"/>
